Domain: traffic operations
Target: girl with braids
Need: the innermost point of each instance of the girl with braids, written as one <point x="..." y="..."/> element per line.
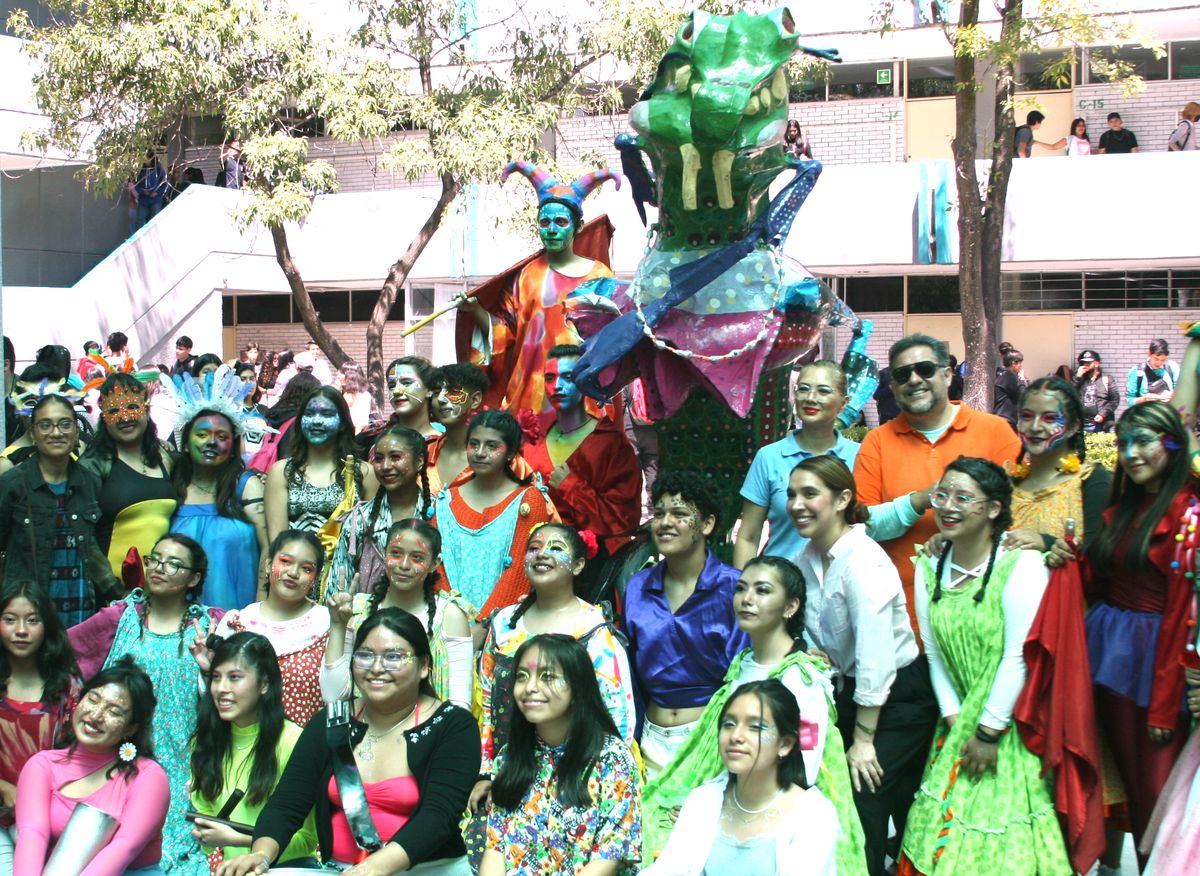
<point x="160" y="625"/>
<point x="1054" y="483"/>
<point x="39" y="687"/>
<point x="137" y="498"/>
<point x="303" y="491"/>
<point x="243" y="742"/>
<point x="486" y="520"/>
<point x="398" y="461"/>
<point x="984" y="805"/>
<point x="764" y="815"/>
<point x="554" y="556"/>
<point x="566" y="794"/>
<point x="410" y="582"/>
<point x="856" y="613"/>
<point x="108" y="762"/>
<point x="769" y="601"/>
<point x="297" y="627"/>
<point x="1137" y="626"/>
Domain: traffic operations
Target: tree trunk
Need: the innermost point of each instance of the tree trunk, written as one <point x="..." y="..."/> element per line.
<point x="308" y="314"/>
<point x="397" y="274"/>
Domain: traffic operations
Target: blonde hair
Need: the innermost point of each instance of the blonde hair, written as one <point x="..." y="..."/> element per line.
<point x="1190" y="111"/>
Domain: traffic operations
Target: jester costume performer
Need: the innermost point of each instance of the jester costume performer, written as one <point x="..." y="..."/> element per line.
<point x="511" y="342"/>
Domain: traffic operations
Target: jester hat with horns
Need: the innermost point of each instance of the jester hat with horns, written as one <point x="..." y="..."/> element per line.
<point x="551" y="191"/>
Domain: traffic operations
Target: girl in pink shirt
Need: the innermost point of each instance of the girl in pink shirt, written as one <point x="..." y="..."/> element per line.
<point x="108" y="765"/>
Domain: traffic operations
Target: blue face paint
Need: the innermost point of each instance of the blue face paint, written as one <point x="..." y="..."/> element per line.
<point x="560" y="387"/>
<point x="320" y="422"/>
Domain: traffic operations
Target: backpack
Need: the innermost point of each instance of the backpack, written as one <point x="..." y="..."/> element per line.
<point x="1186" y="145"/>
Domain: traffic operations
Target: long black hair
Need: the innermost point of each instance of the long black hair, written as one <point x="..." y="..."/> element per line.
<point x="226" y="496"/>
<point x="996" y="487"/>
<point x="212" y="742"/>
<point x="415" y="443"/>
<point x="410" y="629"/>
<point x="102" y="447"/>
<point x="429" y="586"/>
<point x="288" y="403"/>
<point x="774" y="696"/>
<point x="1068" y="395"/>
<point x="142" y="702"/>
<point x="791" y="579"/>
<point x="55" y="659"/>
<point x="578" y="552"/>
<point x="1129" y="498"/>
<point x="191" y="596"/>
<point x="590" y="723"/>
<point x="510" y="432"/>
<point x="343" y="442"/>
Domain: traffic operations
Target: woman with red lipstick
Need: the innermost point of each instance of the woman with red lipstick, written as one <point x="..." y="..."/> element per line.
<point x="1137" y="626"/>
<point x="297" y="627"/>
<point x="107" y="763"/>
<point x="137" y="498"/>
<point x="242" y="743"/>
<point x="39" y="686"/>
<point x="410" y="581"/>
<point x="398" y="461"/>
<point x="975" y="609"/>
<point x="158" y="625"/>
<point x="565" y="799"/>
<point x="819" y="398"/>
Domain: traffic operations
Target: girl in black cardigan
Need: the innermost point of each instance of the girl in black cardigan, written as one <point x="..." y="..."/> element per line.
<point x="402" y="731"/>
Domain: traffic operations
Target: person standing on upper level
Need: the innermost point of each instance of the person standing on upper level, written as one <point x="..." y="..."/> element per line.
<point x="1117" y="140"/>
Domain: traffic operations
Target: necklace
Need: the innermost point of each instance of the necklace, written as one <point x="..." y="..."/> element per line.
<point x="738" y="803"/>
<point x="366" y="750"/>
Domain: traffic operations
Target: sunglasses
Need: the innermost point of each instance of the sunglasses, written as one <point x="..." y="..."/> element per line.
<point x="925" y="370"/>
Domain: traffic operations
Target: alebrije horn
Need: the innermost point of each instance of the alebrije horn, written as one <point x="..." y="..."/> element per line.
<point x="541" y="181"/>
<point x="587" y="183"/>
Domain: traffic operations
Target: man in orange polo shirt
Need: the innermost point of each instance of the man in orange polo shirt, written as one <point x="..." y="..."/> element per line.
<point x="907" y="455"/>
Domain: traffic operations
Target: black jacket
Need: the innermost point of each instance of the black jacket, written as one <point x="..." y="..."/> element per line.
<point x="443" y="756"/>
<point x="27" y="509"/>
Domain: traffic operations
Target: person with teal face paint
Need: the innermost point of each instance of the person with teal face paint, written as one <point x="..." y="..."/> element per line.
<point x="587" y="462"/>
<point x="512" y="341"/>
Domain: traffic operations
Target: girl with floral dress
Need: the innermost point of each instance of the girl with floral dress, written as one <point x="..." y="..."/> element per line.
<point x="39" y="686"/>
<point x="565" y="800"/>
<point x="297" y="627"/>
<point x="159" y="625"/>
<point x="410" y="582"/>
<point x="984" y="805"/>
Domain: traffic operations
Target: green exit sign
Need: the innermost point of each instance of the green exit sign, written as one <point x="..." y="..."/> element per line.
<point x="883" y="77"/>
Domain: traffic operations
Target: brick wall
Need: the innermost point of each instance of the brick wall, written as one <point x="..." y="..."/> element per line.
<point x="1151" y="115"/>
<point x="853" y="131"/>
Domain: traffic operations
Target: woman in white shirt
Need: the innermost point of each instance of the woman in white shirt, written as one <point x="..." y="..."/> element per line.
<point x="1077" y="141"/>
<point x="855" y="612"/>
<point x="762" y="816"/>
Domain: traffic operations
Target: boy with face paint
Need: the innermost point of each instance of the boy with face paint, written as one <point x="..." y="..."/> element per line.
<point x="511" y="339"/>
<point x="683" y="633"/>
<point x="587" y="462"/>
<point x="457" y="391"/>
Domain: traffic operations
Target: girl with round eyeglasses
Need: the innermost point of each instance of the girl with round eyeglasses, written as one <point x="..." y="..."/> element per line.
<point x="161" y="625"/>
<point x="415" y="755"/>
<point x="975" y="608"/>
<point x="763" y="814"/>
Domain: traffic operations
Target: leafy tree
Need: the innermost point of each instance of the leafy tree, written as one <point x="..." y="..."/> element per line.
<point x="993" y="50"/>
<point x="115" y="77"/>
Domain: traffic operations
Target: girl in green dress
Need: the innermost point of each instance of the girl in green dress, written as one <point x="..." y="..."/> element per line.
<point x="983" y="805"/>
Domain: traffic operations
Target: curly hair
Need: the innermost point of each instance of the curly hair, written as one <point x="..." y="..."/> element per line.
<point x="692" y="487"/>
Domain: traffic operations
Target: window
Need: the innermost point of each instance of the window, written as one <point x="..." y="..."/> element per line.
<point x="1185" y="60"/>
<point x="874" y="294"/>
<point x="227" y="311"/>
<point x="259" y="309"/>
<point x="807" y="87"/>
<point x="331" y="306"/>
<point x="1032" y="291"/>
<point x="853" y="81"/>
<point x="362" y="304"/>
<point x="1045" y="71"/>
<point x="931" y="78"/>
<point x="936" y="293"/>
<point x="1142" y="61"/>
<point x="422" y="300"/>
